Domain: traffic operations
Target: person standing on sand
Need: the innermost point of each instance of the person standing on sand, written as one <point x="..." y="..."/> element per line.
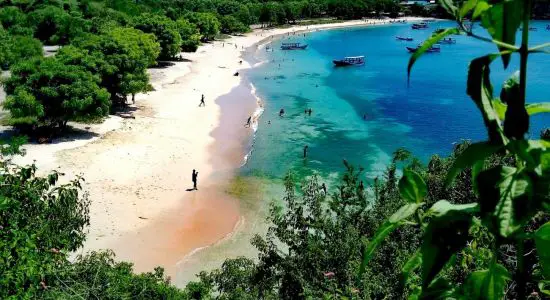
<point x="202" y="101"/>
<point x="194" y="177"/>
<point x="305" y="151"/>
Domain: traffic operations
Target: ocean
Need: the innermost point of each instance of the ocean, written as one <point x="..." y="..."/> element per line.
<point x="364" y="113"/>
<point x="427" y="117"/>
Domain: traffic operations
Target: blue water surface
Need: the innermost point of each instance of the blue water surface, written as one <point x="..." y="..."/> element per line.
<point x="426" y="117"/>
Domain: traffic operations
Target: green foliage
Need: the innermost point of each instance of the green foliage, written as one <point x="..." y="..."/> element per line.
<point x="14" y="49"/>
<point x="40" y="223"/>
<point x="53" y="25"/>
<point x="14" y="21"/>
<point x="510" y="194"/>
<point x="230" y="24"/>
<point x="208" y="24"/>
<point x="121" y="57"/>
<point x="165" y="31"/>
<point x="190" y="35"/>
<point x="53" y="93"/>
<point x="97" y="276"/>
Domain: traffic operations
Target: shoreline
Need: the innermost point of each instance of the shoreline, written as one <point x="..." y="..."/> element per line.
<point x="137" y="169"/>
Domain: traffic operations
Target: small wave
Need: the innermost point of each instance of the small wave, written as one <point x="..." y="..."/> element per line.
<point x="236" y="228"/>
<point x="255" y="123"/>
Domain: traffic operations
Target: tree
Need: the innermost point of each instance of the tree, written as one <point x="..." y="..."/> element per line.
<point x="49" y="92"/>
<point x="41" y="222"/>
<point x="164" y="29"/>
<point x="52" y="25"/>
<point x="123" y="57"/>
<point x="230" y="24"/>
<point x="208" y="24"/>
<point x="190" y="35"/>
<point x="17" y="48"/>
<point x="14" y="20"/>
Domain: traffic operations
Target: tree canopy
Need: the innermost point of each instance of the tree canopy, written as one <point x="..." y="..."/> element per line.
<point x="164" y="29"/>
<point x="49" y="92"/>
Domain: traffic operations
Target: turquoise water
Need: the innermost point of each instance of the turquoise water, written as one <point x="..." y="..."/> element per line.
<point x="426" y="117"/>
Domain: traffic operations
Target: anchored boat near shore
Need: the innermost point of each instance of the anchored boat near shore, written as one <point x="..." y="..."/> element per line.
<point x="293" y="46"/>
<point x="422" y="25"/>
<point x="400" y="38"/>
<point x="434" y="48"/>
<point x="350" y="61"/>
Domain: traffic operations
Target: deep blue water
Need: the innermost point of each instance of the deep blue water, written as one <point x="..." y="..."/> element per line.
<point x="426" y="117"/>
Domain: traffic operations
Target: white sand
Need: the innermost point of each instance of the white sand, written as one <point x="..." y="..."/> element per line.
<point x="137" y="169"/>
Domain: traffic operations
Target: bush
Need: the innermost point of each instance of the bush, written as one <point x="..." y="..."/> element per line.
<point x="40" y="223"/>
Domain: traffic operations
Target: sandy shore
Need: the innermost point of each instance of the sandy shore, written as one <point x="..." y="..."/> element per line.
<point x="138" y="165"/>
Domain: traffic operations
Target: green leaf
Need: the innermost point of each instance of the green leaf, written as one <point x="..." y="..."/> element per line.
<point x="502" y="20"/>
<point x="442" y="207"/>
<point x="449" y="6"/>
<point x="542" y="241"/>
<point x="474" y="153"/>
<point x="447" y="233"/>
<point x="481" y="7"/>
<point x="479" y="88"/>
<point x="412" y="187"/>
<point x="467" y="7"/>
<point x="427" y="45"/>
<point x="516" y="120"/>
<point x="390" y="225"/>
<point x="530" y="151"/>
<point x="538" y="108"/>
<point x="412" y="263"/>
<point x="500" y="108"/>
<point x="505" y="199"/>
<point x="487" y="284"/>
<point x="439" y="289"/>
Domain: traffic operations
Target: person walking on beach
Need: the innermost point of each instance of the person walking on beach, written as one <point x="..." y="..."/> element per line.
<point x="194" y="177"/>
<point x="202" y="101"/>
<point x="305" y="151"/>
<point x="248" y="122"/>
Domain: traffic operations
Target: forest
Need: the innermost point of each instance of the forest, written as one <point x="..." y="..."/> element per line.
<point x="474" y="225"/>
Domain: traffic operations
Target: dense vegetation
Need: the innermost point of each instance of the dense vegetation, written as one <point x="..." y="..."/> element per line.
<point x="489" y="238"/>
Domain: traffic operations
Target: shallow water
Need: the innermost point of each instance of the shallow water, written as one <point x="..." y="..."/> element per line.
<point x="426" y="117"/>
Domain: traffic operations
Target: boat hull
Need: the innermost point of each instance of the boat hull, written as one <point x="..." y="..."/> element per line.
<point x="341" y="63"/>
<point x="302" y="47"/>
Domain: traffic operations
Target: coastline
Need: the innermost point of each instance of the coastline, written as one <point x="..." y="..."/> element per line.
<point x="137" y="166"/>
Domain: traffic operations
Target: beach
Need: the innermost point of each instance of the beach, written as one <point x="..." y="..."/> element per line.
<point x="138" y="164"/>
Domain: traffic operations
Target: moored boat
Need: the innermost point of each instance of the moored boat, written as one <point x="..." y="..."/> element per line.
<point x="434" y="48"/>
<point x="293" y="46"/>
<point x="422" y="25"/>
<point x="447" y="41"/>
<point x="350" y="61"/>
<point x="400" y="38"/>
